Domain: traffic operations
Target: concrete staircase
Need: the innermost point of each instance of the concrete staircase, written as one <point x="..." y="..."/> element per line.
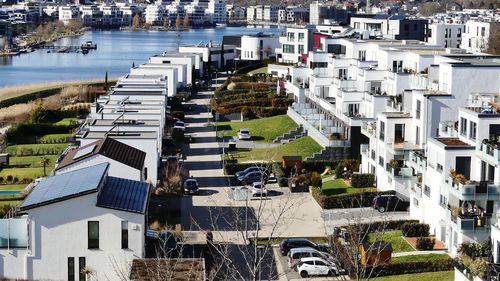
<point x="330" y="153"/>
<point x="291" y="135"/>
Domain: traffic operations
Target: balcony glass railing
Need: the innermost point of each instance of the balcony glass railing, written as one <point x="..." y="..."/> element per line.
<point x="491" y="148"/>
<point x="13" y="233"/>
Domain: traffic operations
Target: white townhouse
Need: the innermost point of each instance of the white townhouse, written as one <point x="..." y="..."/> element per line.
<point x="83" y="219"/>
<point x="447" y="35"/>
<point x="154" y="14"/>
<point x="210" y="52"/>
<point x="458" y="193"/>
<point x="67" y="13"/>
<point x="295" y="45"/>
<point x="258" y="46"/>
<point x="170" y="74"/>
<point x="192" y="63"/>
<point x="476" y="35"/>
<point x="124" y="161"/>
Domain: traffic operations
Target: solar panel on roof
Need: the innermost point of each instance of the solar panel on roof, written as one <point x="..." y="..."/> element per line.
<point x="65" y="185"/>
<point x="84" y="151"/>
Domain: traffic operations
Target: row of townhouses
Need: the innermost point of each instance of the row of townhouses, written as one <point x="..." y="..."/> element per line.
<point x="424" y="118"/>
<point x="90" y="216"/>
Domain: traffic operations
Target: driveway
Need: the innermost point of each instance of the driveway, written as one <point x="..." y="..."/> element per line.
<point x="282" y="214"/>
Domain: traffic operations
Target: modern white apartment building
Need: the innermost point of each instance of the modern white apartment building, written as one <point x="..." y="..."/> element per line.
<point x="258" y="47"/>
<point x="477" y="34"/>
<point x="216" y="11"/>
<point x="83" y="219"/>
<point x="459" y="190"/>
<point x="154" y="14"/>
<point x="295" y="45"/>
<point x="67" y="13"/>
<point x="445" y="34"/>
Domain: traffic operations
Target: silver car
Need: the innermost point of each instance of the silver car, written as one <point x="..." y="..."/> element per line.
<point x="296" y="254"/>
<point x="244" y="134"/>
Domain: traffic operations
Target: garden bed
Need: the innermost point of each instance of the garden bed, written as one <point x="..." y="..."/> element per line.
<point x="304" y="146"/>
<point x="438" y="245"/>
<point x="261" y="130"/>
<point x="340" y="186"/>
<point x="395" y="237"/>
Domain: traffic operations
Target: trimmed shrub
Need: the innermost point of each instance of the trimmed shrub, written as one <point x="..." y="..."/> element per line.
<point x="425" y="243"/>
<point x="344" y="201"/>
<point x="362" y="180"/>
<point x="15" y="179"/>
<point x="9" y="178"/>
<point x="351" y="165"/>
<point x="232" y="168"/>
<point x="1" y="179"/>
<point x="415" y="229"/>
<point x="20" y="132"/>
<point x="299" y="183"/>
<point x="316" y="180"/>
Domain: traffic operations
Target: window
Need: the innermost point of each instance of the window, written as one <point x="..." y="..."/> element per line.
<point x="427" y="190"/>
<point x="472" y="130"/>
<point x="459" y="33"/>
<point x="301" y="49"/>
<point x="290" y="36"/>
<point x="362" y="55"/>
<point x="71" y="269"/>
<point x="81" y="269"/>
<point x="381" y="161"/>
<point x="417" y="109"/>
<point x="463" y="126"/>
<point x="373" y="154"/>
<point x="93" y="234"/>
<point x="301" y="37"/>
<point x="417" y="135"/>
<point x="382" y="131"/>
<point x="145" y="173"/>
<point x="320" y="263"/>
<point x="289" y="49"/>
<point x="483" y="31"/>
<point x="124" y="234"/>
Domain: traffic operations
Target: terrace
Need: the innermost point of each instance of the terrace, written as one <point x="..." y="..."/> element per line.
<point x="468" y="220"/>
<point x="491" y="150"/>
<point x="473" y="190"/>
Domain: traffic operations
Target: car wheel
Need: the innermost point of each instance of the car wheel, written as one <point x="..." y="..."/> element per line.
<point x="332" y="273"/>
<point x="304" y="274"/>
<point x="381" y="209"/>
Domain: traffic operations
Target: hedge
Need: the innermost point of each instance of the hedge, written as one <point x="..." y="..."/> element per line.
<point x="425" y="243"/>
<point x="362" y="180"/>
<point x="380" y="225"/>
<point x="344" y="201"/>
<point x="248" y="68"/>
<point x="231" y="168"/>
<point x="415" y="229"/>
<point x="21" y="131"/>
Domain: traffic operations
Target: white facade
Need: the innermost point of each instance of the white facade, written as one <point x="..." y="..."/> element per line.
<point x="217" y="11"/>
<point x="258" y="47"/>
<point x="295" y="44"/>
<point x="477" y="34"/>
<point x="446" y="35"/>
<point x="154" y="14"/>
<point x="67" y="13"/>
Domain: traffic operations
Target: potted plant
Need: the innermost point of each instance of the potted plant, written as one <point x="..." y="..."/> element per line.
<point x="460" y="178"/>
<point x="394" y="163"/>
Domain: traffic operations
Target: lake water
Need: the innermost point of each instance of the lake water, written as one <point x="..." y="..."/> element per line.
<point x="116" y="51"/>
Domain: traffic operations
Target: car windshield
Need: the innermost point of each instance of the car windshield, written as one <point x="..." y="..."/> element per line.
<point x="191" y="184"/>
<point x="244" y="132"/>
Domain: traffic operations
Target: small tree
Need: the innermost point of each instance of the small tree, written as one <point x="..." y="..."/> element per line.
<point x="136" y="21"/>
<point x="185" y="22"/>
<point x="494" y="42"/>
<point x="44" y="161"/>
<point x="178" y="22"/>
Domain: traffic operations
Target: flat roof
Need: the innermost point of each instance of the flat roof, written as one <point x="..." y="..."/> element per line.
<point x="453" y="143"/>
<point x="396" y="114"/>
<point x="126" y="122"/>
<point x="120" y="135"/>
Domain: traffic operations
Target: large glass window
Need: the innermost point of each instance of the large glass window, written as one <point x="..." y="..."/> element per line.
<point x="382" y="131"/>
<point x="463" y="126"/>
<point x="290" y="36"/>
<point x="124" y="234"/>
<point x="301" y="37"/>
<point x="472" y="130"/>
<point x="93" y="234"/>
<point x="288" y="49"/>
<point x="81" y="269"/>
<point x="417" y="109"/>
<point x="71" y="269"/>
<point x="301" y="49"/>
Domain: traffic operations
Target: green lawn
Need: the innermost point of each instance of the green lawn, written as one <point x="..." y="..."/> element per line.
<point x="22" y="173"/>
<point x="35" y="149"/>
<point x="32" y="161"/>
<point x="12" y="186"/>
<point x="421" y="258"/>
<point x="262" y="130"/>
<point x="66" y="122"/>
<point x="10" y="202"/>
<point x="304" y="147"/>
<point x="394" y="237"/>
<point x="426" y="276"/>
<point x="339" y="186"/>
<point x="258" y="70"/>
<point x="54" y="138"/>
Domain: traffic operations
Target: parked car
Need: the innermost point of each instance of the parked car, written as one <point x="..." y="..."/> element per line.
<point x="179" y="125"/>
<point x="292" y="243"/>
<point x="384" y="203"/>
<point x="244" y="134"/>
<point x="253" y="177"/>
<point x="249" y="170"/>
<point x="258" y="189"/>
<point x="316" y="266"/>
<point x="191" y="186"/>
<point x="296" y="254"/>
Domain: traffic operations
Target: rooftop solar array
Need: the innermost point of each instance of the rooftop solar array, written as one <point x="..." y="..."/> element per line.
<point x="67" y="185"/>
<point x="124" y="194"/>
<point x="84" y="151"/>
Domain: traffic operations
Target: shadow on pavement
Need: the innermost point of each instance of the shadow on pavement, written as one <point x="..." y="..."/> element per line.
<point x="204" y="151"/>
<point x="221" y="181"/>
<point x="202" y="165"/>
<point x="217" y="218"/>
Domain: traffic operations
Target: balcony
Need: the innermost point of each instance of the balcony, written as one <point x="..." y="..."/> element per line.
<point x="369" y="128"/>
<point x="365" y="148"/>
<point x="491" y="150"/>
<point x="14" y="233"/>
<point x="344" y="84"/>
<point x="417" y="161"/>
<point x="402" y="145"/>
<point x="473" y="190"/>
<point x="416" y="190"/>
<point x="466" y="221"/>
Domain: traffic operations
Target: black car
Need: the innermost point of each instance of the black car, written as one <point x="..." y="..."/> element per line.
<point x="191" y="186"/>
<point x="384" y="203"/>
<point x="252" y="177"/>
<point x="291" y="243"/>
